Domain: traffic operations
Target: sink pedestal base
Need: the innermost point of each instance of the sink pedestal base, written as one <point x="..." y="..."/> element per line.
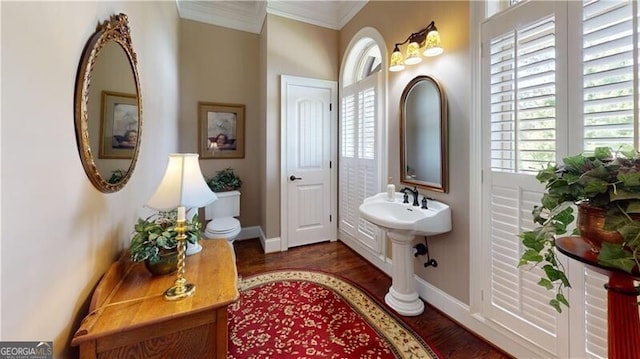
<point x="402" y="295"/>
<point x="408" y="305"/>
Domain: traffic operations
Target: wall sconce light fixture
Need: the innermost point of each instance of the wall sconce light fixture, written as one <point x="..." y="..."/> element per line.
<point x="426" y="39"/>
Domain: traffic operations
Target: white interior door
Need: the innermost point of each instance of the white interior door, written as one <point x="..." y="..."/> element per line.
<point x="308" y="170"/>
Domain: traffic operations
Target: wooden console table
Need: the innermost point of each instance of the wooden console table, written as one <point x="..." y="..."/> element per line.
<point x="622" y="308"/>
<point x="129" y="317"/>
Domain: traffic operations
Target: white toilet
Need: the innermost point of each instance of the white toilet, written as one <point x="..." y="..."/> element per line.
<point x="221" y="213"/>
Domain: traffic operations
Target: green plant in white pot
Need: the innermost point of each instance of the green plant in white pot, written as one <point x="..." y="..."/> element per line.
<point x="605" y="187"/>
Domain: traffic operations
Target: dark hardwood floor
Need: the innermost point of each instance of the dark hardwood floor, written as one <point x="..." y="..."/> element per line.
<point x="450" y="339"/>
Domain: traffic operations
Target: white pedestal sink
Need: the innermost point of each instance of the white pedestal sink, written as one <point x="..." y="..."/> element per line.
<point x="403" y="222"/>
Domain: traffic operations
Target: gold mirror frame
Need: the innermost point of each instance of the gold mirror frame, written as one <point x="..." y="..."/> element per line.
<point x="115" y="29"/>
<point x="429" y="153"/>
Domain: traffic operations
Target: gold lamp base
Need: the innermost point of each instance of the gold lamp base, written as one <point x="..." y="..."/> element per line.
<point x="178" y="292"/>
<point x="180" y="289"/>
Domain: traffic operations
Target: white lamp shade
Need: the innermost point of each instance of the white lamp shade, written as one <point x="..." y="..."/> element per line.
<point x="182" y="185"/>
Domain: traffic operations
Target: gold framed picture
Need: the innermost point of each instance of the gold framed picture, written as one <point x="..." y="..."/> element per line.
<point x="220" y="130"/>
<point x="118" y="125"/>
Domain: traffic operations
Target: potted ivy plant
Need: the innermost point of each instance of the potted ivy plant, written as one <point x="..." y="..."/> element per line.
<point x="224" y="180"/>
<point x="154" y="241"/>
<point x="605" y="188"/>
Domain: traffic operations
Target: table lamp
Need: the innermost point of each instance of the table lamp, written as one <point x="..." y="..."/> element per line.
<point x="182" y="186"/>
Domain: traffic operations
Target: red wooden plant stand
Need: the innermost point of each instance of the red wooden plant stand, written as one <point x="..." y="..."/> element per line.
<point x="622" y="307"/>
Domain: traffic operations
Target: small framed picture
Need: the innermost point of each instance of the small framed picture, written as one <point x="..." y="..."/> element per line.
<point x="220" y="130"/>
<point x="118" y="125"/>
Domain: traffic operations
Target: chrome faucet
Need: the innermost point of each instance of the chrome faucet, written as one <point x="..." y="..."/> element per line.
<point x="414" y="192"/>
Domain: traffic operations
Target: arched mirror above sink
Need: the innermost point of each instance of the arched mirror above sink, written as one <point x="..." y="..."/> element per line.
<point x="423" y="135"/>
<point x="108" y="106"/>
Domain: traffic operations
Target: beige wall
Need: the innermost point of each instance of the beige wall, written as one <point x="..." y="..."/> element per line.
<point x="395" y="20"/>
<point x="221" y="65"/>
<point x="59" y="234"/>
<point x="296" y="49"/>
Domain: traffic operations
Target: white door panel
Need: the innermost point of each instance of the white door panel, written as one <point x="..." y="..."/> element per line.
<point x="307" y="172"/>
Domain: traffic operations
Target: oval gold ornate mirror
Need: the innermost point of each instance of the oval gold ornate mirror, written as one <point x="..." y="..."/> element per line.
<point x="108" y="106"/>
<point x="423" y="135"/>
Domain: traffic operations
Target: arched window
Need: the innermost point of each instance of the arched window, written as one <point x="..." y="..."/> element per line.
<point x="363" y="144"/>
<point x="363" y="60"/>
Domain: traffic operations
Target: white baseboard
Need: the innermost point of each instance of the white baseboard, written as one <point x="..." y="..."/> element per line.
<point x="249" y="233"/>
<point x="269" y="245"/>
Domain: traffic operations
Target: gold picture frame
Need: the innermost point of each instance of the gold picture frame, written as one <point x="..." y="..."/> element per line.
<point x="220" y="130"/>
<point x="118" y="125"/>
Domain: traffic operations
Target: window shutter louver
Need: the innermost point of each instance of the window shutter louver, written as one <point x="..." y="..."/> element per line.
<point x="367" y="124"/>
<point x="359" y="176"/>
<point x="522" y="98"/>
<point x="520" y="78"/>
<point x="368" y="169"/>
<point x="348" y="171"/>
<point x="502" y="103"/>
<point x="348" y="135"/>
<point x="608" y="74"/>
<point x="595" y="314"/>
<point x="515" y="297"/>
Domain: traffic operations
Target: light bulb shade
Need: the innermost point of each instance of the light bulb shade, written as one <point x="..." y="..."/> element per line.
<point x="413" y="54"/>
<point x="432" y="44"/>
<point x="397" y="61"/>
<point x="182" y="185"/>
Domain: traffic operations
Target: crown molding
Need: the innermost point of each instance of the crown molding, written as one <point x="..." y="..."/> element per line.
<point x="249" y="15"/>
<point x="239" y="15"/>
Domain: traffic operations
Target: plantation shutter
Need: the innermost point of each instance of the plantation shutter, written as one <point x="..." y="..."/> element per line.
<point x="348" y="165"/>
<point x="523" y="89"/>
<point x="521" y="75"/>
<point x="609" y="71"/>
<point x="604" y="52"/>
<point x="595" y="312"/>
<point x="609" y="106"/>
<point x="358" y="178"/>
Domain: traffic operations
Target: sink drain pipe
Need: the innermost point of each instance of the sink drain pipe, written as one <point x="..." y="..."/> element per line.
<point x="423" y="249"/>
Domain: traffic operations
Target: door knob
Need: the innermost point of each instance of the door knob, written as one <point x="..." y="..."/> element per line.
<point x="293" y="178"/>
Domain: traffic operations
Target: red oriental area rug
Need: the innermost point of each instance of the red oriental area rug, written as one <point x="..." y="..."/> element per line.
<point x="308" y="314"/>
